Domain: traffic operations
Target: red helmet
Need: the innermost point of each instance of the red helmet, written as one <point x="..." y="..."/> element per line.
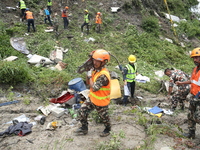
<point x="101" y="55"/>
<point x="98" y="13"/>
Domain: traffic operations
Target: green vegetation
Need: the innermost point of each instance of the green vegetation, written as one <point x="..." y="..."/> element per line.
<point x="121" y="40"/>
<point x="113" y="143"/>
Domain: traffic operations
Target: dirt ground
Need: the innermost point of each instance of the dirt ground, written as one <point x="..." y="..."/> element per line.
<point x="124" y="122"/>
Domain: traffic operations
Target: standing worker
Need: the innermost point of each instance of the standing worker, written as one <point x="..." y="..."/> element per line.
<point x="194" y="107"/>
<point x="98" y="22"/>
<point x="49" y="4"/>
<point x="47" y="16"/>
<point x="29" y="17"/>
<point x="129" y="75"/>
<point x="64" y="16"/>
<point x="183" y="90"/>
<point x="86" y="21"/>
<point x="98" y="79"/>
<point x="55" y="21"/>
<point x="22" y="6"/>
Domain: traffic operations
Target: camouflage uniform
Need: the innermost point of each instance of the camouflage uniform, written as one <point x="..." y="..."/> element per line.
<point x="183" y="90"/>
<point x="194" y="113"/>
<point x="88" y="106"/>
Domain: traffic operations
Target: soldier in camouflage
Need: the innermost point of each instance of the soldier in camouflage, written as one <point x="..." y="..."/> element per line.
<point x="98" y="79"/>
<point x="183" y="90"/>
<point x="194" y="107"/>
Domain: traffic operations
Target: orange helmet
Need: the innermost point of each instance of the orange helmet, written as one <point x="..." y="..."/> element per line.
<point x="195" y="52"/>
<point x="98" y="13"/>
<point x="66" y="7"/>
<point x="101" y="55"/>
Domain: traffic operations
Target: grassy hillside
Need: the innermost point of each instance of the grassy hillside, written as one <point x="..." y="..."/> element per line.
<point x="135" y="29"/>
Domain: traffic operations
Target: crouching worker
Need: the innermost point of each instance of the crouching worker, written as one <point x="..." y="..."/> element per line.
<point x="98" y="79"/>
<point x="183" y="90"/>
<point x="29" y="17"/>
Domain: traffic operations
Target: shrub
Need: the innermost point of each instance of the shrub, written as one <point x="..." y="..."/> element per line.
<point x="15" y="72"/>
<point x="150" y="24"/>
<point x="190" y="28"/>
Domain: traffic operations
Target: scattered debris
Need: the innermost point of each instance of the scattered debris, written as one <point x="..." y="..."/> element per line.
<point x="115" y="9"/>
<point x="49" y="29"/>
<point x="61" y="65"/>
<point x="142" y="79"/>
<point x="35" y="59"/>
<point x="89" y="39"/>
<point x="10" y="58"/>
<point x="19" y="44"/>
<point x="159" y="73"/>
<point x="9" y="103"/>
<point x="63" y="98"/>
<point x="56" y="55"/>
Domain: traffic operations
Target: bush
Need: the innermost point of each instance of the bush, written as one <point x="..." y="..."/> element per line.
<point x="15" y="72"/>
<point x="150" y="24"/>
<point x="190" y="28"/>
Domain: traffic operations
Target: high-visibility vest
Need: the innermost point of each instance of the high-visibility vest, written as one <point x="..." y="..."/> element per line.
<point x="29" y="15"/>
<point x="49" y="3"/>
<point x="195" y="82"/>
<point x="64" y="14"/>
<point x="130" y="76"/>
<point x="22" y="5"/>
<point x="86" y="18"/>
<point x="98" y="19"/>
<point x="102" y="96"/>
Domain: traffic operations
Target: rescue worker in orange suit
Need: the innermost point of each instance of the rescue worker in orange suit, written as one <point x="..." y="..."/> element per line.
<point x="22" y="6"/>
<point x="98" y="79"/>
<point x="194" y="107"/>
<point x="86" y="21"/>
<point x="98" y="22"/>
<point x="129" y="75"/>
<point x="64" y="16"/>
<point x="30" y="19"/>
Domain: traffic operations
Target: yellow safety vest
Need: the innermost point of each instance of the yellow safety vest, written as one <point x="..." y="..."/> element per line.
<point x="22" y="5"/>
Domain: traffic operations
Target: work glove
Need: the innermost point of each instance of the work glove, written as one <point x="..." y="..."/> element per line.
<point x="89" y="73"/>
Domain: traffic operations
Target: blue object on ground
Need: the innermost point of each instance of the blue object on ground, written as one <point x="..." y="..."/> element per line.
<point x="155" y="110"/>
<point x="8" y="103"/>
<point x="77" y="84"/>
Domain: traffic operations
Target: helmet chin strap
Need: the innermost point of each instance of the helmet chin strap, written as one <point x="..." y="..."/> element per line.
<point x="100" y="67"/>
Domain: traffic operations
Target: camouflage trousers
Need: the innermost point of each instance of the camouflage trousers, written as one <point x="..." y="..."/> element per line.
<point x="87" y="107"/>
<point x="194" y="113"/>
<point x="179" y="97"/>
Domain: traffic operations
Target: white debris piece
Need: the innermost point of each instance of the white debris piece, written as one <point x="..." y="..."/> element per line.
<point x="114" y="9"/>
<point x="56" y="55"/>
<point x="10" y="58"/>
<point x="141" y="78"/>
<point x="169" y="40"/>
<point x="159" y="73"/>
<point x="35" y="59"/>
<point x="49" y="30"/>
<point x="174" y="18"/>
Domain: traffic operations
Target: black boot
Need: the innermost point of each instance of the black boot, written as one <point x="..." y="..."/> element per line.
<point x="82" y="130"/>
<point x="106" y="132"/>
<point x="190" y="134"/>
